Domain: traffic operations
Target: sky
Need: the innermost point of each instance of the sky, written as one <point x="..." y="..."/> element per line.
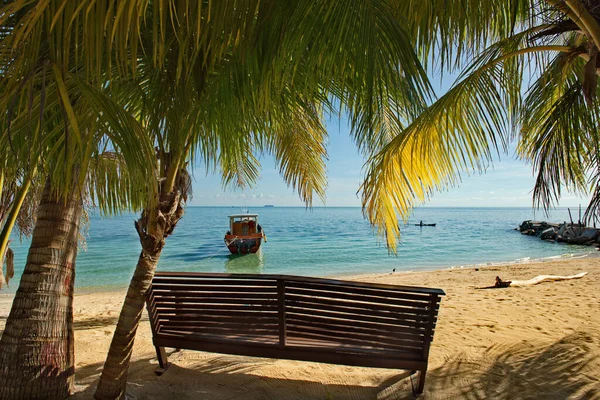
<point x="506" y="183"/>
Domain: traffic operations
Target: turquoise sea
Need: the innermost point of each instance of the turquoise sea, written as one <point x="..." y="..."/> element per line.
<point x="319" y="241"/>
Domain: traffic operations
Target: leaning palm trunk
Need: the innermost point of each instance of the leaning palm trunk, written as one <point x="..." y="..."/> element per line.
<point x="37" y="346"/>
<point x="153" y="228"/>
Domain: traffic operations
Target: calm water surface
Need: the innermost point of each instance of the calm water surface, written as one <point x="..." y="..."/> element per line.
<point x="321" y="241"/>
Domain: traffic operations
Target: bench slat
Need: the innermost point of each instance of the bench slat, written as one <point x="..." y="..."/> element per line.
<point x="209" y="288"/>
<point x="223" y="323"/>
<point x="361" y="297"/>
<point x="187" y="308"/>
<point x="199" y="330"/>
<point x="354" y="337"/>
<point x="199" y="302"/>
<point x="219" y="313"/>
<point x="323" y="300"/>
<point x="394" y="294"/>
<point x="349" y="317"/>
<point x="350" y="313"/>
<point x="170" y="281"/>
<point x="231" y="338"/>
<point x="181" y="295"/>
<point x="352" y="326"/>
<point x="351" y="342"/>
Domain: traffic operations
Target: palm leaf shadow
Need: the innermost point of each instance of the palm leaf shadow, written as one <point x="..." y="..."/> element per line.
<point x="564" y="369"/>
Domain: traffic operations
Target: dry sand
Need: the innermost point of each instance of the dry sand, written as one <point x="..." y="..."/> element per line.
<point x="539" y="342"/>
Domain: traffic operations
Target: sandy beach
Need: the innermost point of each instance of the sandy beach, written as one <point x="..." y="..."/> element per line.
<point x="538" y="342"/>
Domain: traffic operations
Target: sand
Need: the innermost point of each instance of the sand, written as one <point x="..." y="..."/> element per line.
<point x="538" y="342"/>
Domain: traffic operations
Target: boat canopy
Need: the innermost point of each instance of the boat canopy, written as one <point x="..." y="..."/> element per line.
<point x="243" y="224"/>
<point x="243" y="215"/>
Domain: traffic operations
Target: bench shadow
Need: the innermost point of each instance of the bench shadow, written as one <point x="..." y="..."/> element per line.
<point x="565" y="369"/>
<point x="239" y="378"/>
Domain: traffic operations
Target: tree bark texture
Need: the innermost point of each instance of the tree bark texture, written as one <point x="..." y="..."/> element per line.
<point x="37" y="345"/>
<point x="153" y="228"/>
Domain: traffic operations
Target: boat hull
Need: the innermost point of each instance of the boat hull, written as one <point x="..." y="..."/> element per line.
<point x="247" y="244"/>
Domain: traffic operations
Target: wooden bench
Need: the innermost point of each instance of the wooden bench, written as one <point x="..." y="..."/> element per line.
<point x="295" y="318"/>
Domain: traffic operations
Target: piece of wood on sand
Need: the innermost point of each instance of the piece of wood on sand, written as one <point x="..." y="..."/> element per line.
<point x="534" y="281"/>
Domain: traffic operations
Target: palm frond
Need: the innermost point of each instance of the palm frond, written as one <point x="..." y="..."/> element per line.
<point x="556" y="130"/>
<point x="458" y="132"/>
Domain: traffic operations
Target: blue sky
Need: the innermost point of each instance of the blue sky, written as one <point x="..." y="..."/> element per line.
<point x="508" y="183"/>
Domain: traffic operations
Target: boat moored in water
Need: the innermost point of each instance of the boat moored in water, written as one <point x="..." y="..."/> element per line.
<point x="245" y="234"/>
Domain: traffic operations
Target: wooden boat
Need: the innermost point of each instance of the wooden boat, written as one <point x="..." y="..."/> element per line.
<point x="421" y="224"/>
<point x="245" y="235"/>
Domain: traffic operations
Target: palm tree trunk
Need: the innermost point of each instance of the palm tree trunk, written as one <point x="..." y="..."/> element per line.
<point x="153" y="228"/>
<point x="37" y="346"/>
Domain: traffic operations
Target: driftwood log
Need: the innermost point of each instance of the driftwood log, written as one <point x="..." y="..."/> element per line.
<point x="534" y="281"/>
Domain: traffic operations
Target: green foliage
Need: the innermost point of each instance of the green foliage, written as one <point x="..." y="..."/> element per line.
<point x="222" y="82"/>
<point x="530" y="75"/>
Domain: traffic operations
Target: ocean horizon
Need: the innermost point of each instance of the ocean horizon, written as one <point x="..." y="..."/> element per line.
<point x="318" y="241"/>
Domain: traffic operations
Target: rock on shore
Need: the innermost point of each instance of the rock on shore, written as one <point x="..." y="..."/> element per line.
<point x="571" y="233"/>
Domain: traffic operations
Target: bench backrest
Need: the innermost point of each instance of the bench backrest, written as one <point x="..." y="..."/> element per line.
<point x="295" y="311"/>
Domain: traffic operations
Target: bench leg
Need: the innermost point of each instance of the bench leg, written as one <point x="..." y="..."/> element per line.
<point x="421" y="386"/>
<point x="163" y="361"/>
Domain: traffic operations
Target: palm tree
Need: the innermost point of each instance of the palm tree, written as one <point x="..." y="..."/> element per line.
<point x="529" y="71"/>
<point x="58" y="62"/>
<point x="59" y="123"/>
<point x="263" y="88"/>
<point x="37" y="345"/>
<point x="458" y="131"/>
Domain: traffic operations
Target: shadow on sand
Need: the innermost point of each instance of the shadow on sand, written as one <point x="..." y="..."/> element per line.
<point x="563" y="369"/>
<point x="228" y="377"/>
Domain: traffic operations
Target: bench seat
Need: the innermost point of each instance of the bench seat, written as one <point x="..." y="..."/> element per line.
<point x="295" y="318"/>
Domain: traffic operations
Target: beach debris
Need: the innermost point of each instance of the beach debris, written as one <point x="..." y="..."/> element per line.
<point x="533" y="281"/>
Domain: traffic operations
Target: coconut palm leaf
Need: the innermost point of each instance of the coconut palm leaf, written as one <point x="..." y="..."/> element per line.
<point x="557" y="130"/>
<point x="459" y="132"/>
<point x="449" y="34"/>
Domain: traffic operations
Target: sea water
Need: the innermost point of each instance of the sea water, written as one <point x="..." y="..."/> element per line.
<point x="318" y="241"/>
